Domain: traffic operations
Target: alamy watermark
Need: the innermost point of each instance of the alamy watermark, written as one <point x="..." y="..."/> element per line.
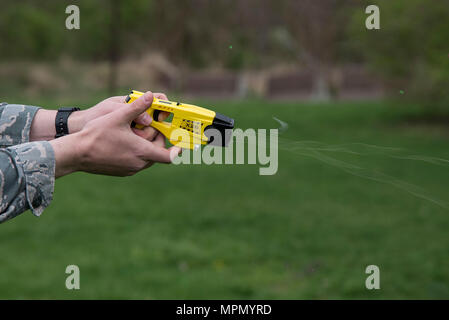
<point x="72" y="282"/>
<point x="373" y="280"/>
<point x="372" y="22"/>
<point x="73" y="20"/>
<point x="243" y="147"/>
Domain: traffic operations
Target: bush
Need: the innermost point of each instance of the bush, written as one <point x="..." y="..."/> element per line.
<point x="410" y="50"/>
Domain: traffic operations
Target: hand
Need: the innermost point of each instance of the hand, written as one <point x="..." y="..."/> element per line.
<point x="108" y="145"/>
<point x="79" y="119"/>
<point x="43" y="125"/>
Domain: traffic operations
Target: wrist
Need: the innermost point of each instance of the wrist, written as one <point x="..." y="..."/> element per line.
<point x="43" y="125"/>
<point x="76" y="121"/>
<point x="68" y="154"/>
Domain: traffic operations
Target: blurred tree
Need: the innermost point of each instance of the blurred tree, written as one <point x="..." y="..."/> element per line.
<point x="36" y="30"/>
<point x="114" y="46"/>
<point x="195" y="31"/>
<point x="28" y="30"/>
<point x="312" y="30"/>
<point x="410" y="50"/>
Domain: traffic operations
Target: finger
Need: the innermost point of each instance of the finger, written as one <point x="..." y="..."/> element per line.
<point x="140" y="132"/>
<point x="131" y="111"/>
<point x="160" y="154"/>
<point x="144" y="119"/>
<point x="161" y="96"/>
<point x="148" y="133"/>
<point x="152" y="134"/>
<point x="174" y="152"/>
<point x="162" y="115"/>
<point x="159" y="140"/>
<point x="120" y="99"/>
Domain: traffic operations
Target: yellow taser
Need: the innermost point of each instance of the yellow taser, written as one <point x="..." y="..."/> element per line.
<point x="191" y="126"/>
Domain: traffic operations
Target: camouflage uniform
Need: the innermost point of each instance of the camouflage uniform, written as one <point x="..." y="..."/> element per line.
<point x="27" y="169"/>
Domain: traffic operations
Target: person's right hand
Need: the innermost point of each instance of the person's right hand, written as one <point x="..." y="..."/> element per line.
<point x="108" y="145"/>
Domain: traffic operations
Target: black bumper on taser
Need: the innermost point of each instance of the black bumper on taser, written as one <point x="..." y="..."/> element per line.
<point x="224" y="125"/>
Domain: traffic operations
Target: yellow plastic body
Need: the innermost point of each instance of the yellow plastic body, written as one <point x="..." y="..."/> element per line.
<point x="186" y="130"/>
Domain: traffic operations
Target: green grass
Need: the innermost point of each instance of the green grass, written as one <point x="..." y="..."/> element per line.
<point x="224" y="232"/>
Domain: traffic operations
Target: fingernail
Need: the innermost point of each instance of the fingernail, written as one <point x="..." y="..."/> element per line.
<point x="146" y="119"/>
<point x="174" y="152"/>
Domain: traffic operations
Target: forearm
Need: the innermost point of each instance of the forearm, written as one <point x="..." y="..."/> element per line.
<point x="43" y="126"/>
<point x="22" y="124"/>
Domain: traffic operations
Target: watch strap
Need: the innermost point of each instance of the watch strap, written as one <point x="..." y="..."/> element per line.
<point x="61" y="120"/>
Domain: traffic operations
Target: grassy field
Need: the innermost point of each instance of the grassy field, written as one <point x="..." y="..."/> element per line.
<point x="224" y="232"/>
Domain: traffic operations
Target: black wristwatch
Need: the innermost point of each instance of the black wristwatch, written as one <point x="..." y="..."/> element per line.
<point x="62" y="117"/>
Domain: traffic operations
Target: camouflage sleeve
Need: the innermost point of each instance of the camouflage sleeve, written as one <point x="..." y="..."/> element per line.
<point x="15" y="123"/>
<point x="27" y="178"/>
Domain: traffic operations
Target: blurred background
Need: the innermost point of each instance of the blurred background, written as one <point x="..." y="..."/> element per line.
<point x="362" y="173"/>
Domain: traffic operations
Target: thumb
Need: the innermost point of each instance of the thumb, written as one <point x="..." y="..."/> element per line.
<point x="131" y="111"/>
